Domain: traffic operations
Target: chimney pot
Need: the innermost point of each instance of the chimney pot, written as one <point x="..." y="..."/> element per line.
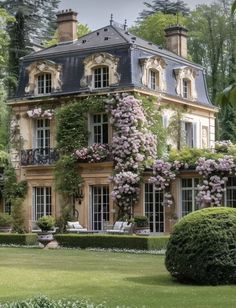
<point x="67" y="25"/>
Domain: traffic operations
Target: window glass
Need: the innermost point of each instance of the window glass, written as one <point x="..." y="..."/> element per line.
<point x="42" y="202"/>
<point x="188" y="193"/>
<point x="101" y="77"/>
<point x="44" y="83"/>
<point x="100" y="128"/>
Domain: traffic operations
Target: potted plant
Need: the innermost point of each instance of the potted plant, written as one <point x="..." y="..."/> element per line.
<point x="141" y="225"/>
<point x="46" y="225"/>
<point x="5" y="222"/>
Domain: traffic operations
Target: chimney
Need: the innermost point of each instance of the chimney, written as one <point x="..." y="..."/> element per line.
<point x="67" y="26"/>
<point x="176" y="40"/>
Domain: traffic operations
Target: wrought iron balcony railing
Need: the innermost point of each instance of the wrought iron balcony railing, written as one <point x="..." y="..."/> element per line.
<point x="40" y="156"/>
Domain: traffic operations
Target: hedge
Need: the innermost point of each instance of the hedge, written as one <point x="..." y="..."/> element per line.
<point x="18" y="239"/>
<point x="112" y="241"/>
<point x="202" y="247"/>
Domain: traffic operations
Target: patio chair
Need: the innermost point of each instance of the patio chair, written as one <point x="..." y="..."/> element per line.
<point x="75" y="227"/>
<point x="121" y="227"/>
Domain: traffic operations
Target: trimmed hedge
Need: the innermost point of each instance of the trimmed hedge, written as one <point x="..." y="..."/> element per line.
<point x="112" y="241"/>
<point x="18" y="239"/>
<point x="202" y="247"/>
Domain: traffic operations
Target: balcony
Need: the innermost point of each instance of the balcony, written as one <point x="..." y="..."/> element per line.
<point x="40" y="156"/>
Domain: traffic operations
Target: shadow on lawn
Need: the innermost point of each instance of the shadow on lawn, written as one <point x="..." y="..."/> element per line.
<point x="162" y="280"/>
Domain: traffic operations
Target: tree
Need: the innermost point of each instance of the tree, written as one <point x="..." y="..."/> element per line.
<point x="152" y="27"/>
<point x="165" y="7"/>
<point x="34" y="22"/>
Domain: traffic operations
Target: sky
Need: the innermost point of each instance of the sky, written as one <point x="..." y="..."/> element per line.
<point x="96" y="13"/>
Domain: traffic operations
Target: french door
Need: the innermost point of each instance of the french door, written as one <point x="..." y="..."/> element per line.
<point x="154" y="209"/>
<point x="100" y="206"/>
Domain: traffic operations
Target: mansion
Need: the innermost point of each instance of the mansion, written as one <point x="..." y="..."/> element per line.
<point x="105" y="62"/>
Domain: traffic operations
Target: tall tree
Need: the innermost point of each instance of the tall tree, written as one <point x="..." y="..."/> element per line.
<point x="152" y="27"/>
<point x="34" y="22"/>
<point x="165" y="7"/>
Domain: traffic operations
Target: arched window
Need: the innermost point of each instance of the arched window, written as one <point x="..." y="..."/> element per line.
<point x="44" y="83"/>
<point x="186" y="88"/>
<point x="154" y="79"/>
<point x="101" y="77"/>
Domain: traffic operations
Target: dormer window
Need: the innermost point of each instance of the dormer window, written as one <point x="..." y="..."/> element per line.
<point x="44" y="83"/>
<point x="186" y="82"/>
<point x="153" y="80"/>
<point x="100" y="71"/>
<point x="101" y="77"/>
<point x="153" y="73"/>
<point x="44" y="78"/>
<point x="186" y="88"/>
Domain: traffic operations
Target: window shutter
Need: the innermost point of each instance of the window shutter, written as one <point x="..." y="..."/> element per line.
<point x="90" y="133"/>
<point x="165" y="120"/>
<point x="194" y="135"/>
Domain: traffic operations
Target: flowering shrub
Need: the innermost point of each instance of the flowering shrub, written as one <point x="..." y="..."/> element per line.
<point x="215" y="175"/>
<point x="40" y="113"/>
<point x="133" y="148"/>
<point x="223" y="146"/>
<point x="94" y="153"/>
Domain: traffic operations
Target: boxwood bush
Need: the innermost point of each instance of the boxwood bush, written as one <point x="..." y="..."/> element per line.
<point x="202" y="247"/>
<point x="112" y="241"/>
<point x="18" y="239"/>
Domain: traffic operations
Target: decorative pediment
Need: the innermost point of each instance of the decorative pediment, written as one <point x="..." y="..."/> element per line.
<point x="188" y="73"/>
<point x="100" y="59"/>
<point x="155" y="63"/>
<point x="47" y="67"/>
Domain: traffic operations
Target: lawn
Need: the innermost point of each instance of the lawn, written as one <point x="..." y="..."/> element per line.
<point x="134" y="280"/>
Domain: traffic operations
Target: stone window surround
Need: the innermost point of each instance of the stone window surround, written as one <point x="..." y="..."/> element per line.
<point x="99" y="60"/>
<point x="189" y="74"/>
<point x="155" y="64"/>
<point x="43" y="67"/>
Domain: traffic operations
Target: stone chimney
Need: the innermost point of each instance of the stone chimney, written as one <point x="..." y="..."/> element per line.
<point x="176" y="40"/>
<point x="67" y="26"/>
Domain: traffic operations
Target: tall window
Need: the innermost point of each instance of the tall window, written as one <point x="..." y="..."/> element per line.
<point x="42" y="133"/>
<point x="188" y="193"/>
<point x="154" y="209"/>
<point x="230" y="194"/>
<point x="100" y="206"/>
<point x="101" y="77"/>
<point x="153" y="79"/>
<point x="189" y="134"/>
<point x="42" y="202"/>
<point x="186" y="88"/>
<point x="100" y="128"/>
<point x="44" y="83"/>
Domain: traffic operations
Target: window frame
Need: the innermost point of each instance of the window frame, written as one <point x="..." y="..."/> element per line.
<point x="154" y="79"/>
<point x="193" y="189"/>
<point x="46" y="207"/>
<point x="102" y="134"/>
<point x="104" y="71"/>
<point x="44" y="129"/>
<point x="186" y="88"/>
<point x="44" y="83"/>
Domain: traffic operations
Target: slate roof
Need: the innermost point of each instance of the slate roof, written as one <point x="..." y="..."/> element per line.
<point x="116" y="40"/>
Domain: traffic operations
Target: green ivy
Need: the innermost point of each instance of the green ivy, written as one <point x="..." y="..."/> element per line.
<point x="72" y="122"/>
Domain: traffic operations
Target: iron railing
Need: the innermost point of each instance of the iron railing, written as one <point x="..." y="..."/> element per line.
<point x="40" y="156"/>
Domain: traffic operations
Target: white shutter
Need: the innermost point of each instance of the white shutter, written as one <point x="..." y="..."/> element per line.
<point x="194" y="135"/>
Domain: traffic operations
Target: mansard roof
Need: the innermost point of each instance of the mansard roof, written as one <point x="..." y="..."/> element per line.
<point x="119" y="42"/>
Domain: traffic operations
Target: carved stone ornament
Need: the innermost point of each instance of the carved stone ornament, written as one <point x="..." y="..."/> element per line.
<point x="189" y="73"/>
<point x="100" y="59"/>
<point x="157" y="64"/>
<point x="47" y="67"/>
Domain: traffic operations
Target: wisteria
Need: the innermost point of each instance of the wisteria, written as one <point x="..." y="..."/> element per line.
<point x="163" y="174"/>
<point x="126" y="189"/>
<point x="133" y="146"/>
<point x="94" y="153"/>
<point x="215" y="175"/>
<point x="40" y="113"/>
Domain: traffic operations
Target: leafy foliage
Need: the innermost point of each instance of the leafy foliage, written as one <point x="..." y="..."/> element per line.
<point x="46" y="223"/>
<point x="152" y="27"/>
<point x="202" y="247"/>
<point x="18" y="215"/>
<point x="5" y="220"/>
<point x="165" y="7"/>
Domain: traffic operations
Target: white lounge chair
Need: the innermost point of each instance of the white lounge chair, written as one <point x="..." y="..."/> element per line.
<point x="121" y="227"/>
<point x="75" y="227"/>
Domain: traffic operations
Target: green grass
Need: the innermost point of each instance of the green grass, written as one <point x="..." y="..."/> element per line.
<point x="139" y="280"/>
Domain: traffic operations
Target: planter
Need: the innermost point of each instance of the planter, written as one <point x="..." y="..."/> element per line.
<point x="45" y="237"/>
<point x="145" y="231"/>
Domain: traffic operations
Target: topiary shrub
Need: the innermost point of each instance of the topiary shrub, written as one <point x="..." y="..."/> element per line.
<point x="202" y="248"/>
<point x="46" y="223"/>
